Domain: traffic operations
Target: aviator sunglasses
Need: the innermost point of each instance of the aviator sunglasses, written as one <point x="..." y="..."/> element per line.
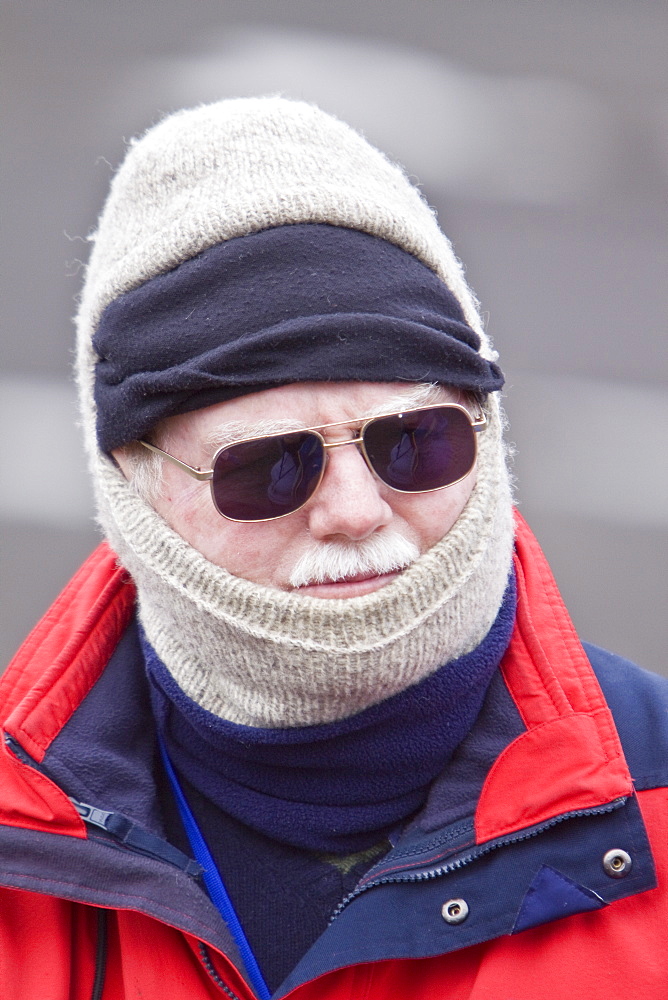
<point x="416" y="451"/>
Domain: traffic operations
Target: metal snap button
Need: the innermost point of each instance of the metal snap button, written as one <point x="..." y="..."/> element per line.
<point x="617" y="863"/>
<point x="455" y="911"/>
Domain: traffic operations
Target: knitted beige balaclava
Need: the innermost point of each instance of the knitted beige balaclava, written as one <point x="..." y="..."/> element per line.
<point x="248" y="653"/>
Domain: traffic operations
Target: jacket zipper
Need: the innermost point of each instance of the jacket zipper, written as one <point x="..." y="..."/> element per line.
<point x="136" y="838"/>
<point x="209" y="966"/>
<point x="466" y="859"/>
<point x="100" y="956"/>
<point x="126" y="834"/>
<point x="122" y="830"/>
<point x="117" y="826"/>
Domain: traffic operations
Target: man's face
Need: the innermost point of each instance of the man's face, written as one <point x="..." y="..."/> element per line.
<point x="350" y="507"/>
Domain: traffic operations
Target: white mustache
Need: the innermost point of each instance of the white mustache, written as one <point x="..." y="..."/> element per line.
<point x="327" y="562"/>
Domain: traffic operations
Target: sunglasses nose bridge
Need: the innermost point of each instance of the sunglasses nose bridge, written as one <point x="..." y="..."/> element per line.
<point x="339" y="444"/>
<point x="359" y="441"/>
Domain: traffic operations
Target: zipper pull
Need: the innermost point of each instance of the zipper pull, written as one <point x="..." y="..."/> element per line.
<point x="124" y="831"/>
<point x="91" y="814"/>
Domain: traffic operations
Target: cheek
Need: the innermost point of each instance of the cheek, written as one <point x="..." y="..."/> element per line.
<point x="262" y="552"/>
<point x="252" y="551"/>
<point x="188" y="509"/>
<point x="431" y="515"/>
<point x="184" y="505"/>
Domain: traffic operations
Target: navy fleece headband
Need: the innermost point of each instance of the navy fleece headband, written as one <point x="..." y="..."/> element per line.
<point x="298" y="303"/>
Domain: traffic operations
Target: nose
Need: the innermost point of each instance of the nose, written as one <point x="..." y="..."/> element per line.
<point x="348" y="504"/>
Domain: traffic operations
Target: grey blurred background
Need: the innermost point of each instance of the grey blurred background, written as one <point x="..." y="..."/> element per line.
<point x="538" y="130"/>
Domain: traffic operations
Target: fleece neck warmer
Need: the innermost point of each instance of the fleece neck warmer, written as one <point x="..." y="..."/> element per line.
<point x="341" y="786"/>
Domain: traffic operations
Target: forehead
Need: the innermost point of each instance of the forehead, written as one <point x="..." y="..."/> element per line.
<point x="303" y="404"/>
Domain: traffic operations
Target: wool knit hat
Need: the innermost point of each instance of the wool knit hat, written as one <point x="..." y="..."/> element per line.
<point x="199" y="194"/>
<point x="168" y="320"/>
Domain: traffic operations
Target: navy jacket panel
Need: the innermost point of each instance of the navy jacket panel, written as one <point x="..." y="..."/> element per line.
<point x="639" y="703"/>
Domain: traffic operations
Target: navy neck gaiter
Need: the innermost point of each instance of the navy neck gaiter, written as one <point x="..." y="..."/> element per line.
<point x="338" y="787"/>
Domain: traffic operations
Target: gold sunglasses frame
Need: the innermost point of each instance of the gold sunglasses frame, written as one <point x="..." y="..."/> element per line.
<point x="478" y="423"/>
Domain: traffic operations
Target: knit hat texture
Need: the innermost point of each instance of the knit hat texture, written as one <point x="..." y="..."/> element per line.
<point x="225" y="170"/>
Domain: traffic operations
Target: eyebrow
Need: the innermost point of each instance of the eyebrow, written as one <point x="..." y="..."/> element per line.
<point x="419" y="395"/>
<point x="236" y="430"/>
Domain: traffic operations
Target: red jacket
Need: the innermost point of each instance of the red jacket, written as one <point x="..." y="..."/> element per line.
<point x="555" y="869"/>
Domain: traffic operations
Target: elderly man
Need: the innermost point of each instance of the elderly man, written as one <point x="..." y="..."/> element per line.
<point x="313" y="720"/>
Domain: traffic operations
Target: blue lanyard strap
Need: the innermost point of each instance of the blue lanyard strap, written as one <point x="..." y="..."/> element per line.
<point x="213" y="881"/>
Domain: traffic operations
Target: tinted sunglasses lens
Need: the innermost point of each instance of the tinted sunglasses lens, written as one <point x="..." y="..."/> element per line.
<point x="424" y="450"/>
<point x="269" y="477"/>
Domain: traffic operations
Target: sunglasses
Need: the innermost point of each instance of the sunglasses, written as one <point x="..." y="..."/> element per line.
<point x="415" y="451"/>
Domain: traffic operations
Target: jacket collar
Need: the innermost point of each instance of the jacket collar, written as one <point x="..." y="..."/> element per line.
<point x="568" y="759"/>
